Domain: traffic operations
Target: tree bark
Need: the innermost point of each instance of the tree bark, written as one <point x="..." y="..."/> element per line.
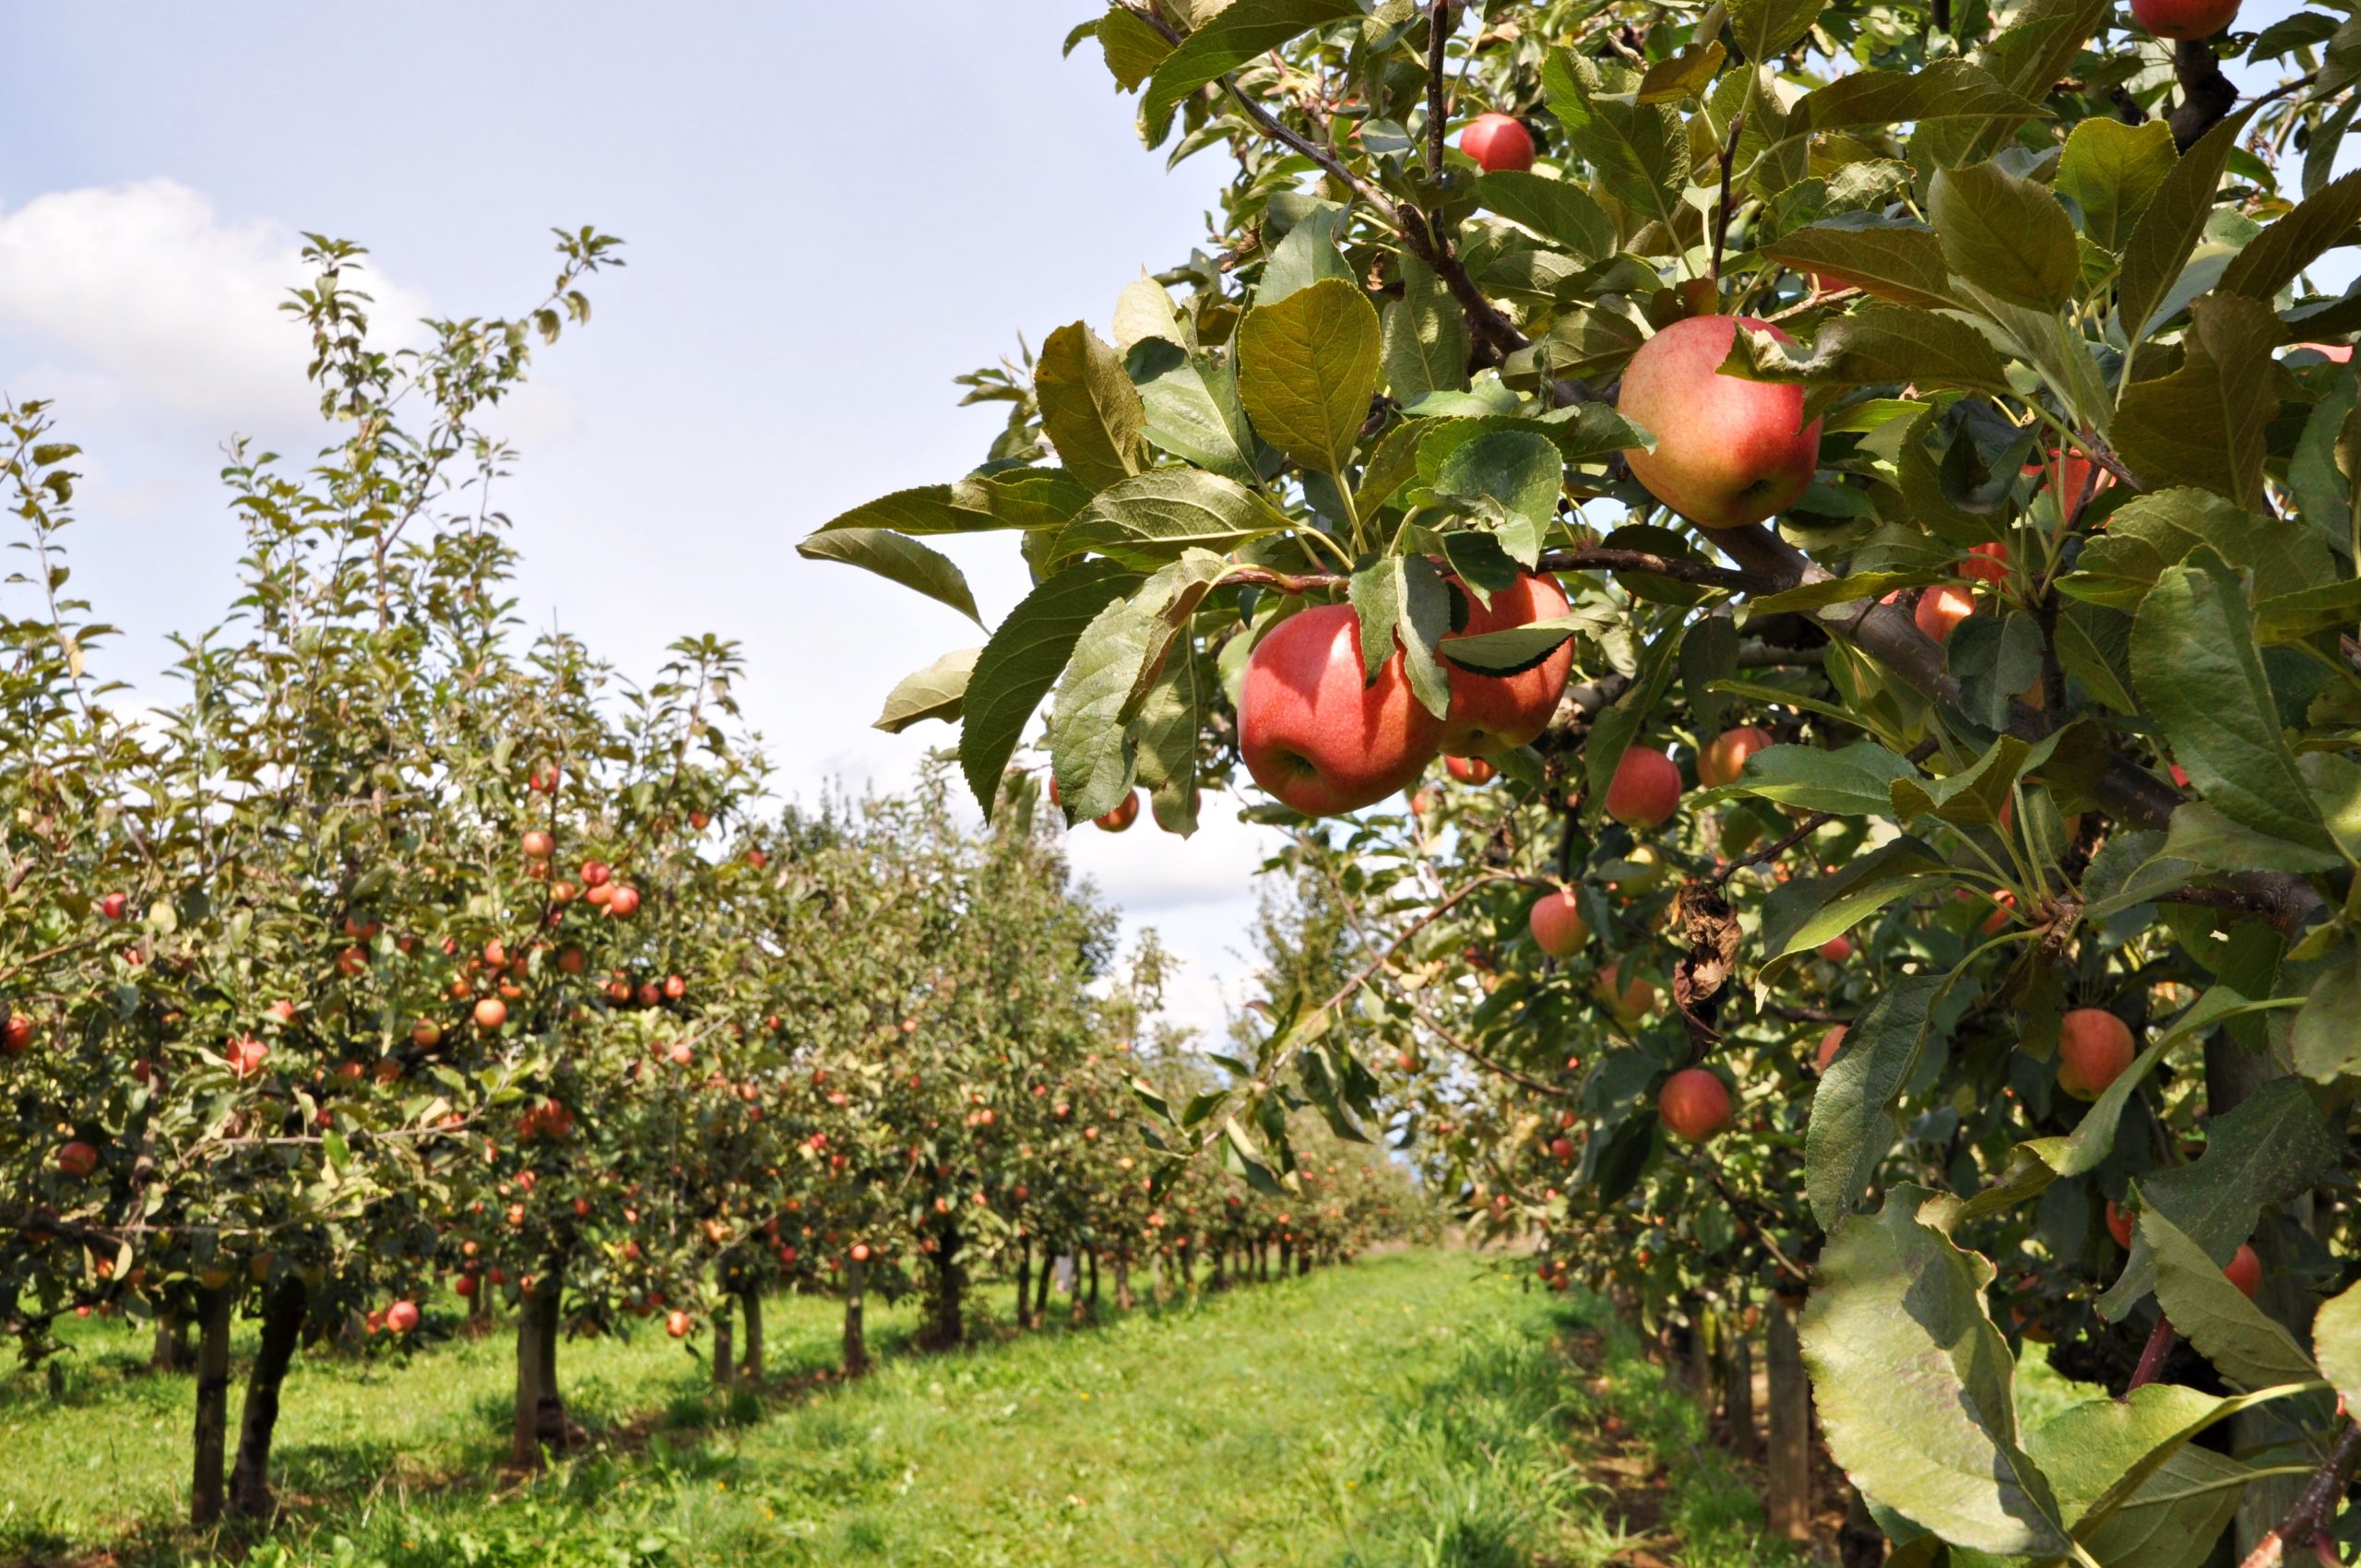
<point x="479" y="1310"/>
<point x="214" y="1308"/>
<point x="539" y="1413"/>
<point x="551" y="1417"/>
<point x="856" y="1346"/>
<point x="1702" y="1380"/>
<point x="1123" y="1302"/>
<point x="724" y="1365"/>
<point x="1302" y="1262"/>
<point x="1859" y="1542"/>
<point x="283" y="1308"/>
<point x="1094" y="1282"/>
<point x="171" y="1351"/>
<point x="1787" y="1509"/>
<point x="1024" y="1283"/>
<point x="1737" y="1391"/>
<point x="750" y="1366"/>
<point x="1041" y="1285"/>
<point x="946" y="1306"/>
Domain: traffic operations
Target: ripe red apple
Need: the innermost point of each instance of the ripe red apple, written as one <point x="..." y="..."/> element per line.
<point x="1988" y="564"/>
<point x="1557" y="923"/>
<point x="1634" y="1000"/>
<point x="352" y="962"/>
<point x="1836" y="949"/>
<point x="426" y="1034"/>
<point x="77" y="1160"/>
<point x="1313" y="736"/>
<point x="246" y="1055"/>
<point x="402" y="1316"/>
<point x="2094" y="1048"/>
<point x="1470" y="770"/>
<point x="1724" y="756"/>
<point x="624" y="903"/>
<point x="465" y="1285"/>
<point x="1497" y="142"/>
<point x="2244" y="1270"/>
<point x="861" y="1252"/>
<point x="1562" y="1149"/>
<point x="16" y="1034"/>
<point x="544" y="779"/>
<point x="1830" y="1044"/>
<point x="538" y="845"/>
<point x="1729" y="452"/>
<point x="676" y="1324"/>
<point x="1694" y="1104"/>
<point x="112" y="905"/>
<point x="2118" y="1224"/>
<point x="491" y="1013"/>
<point x="1124" y="815"/>
<point x="1941" y="609"/>
<point x="596" y="873"/>
<point x="1502" y="712"/>
<point x="2184" y="18"/>
<point x="1645" y="790"/>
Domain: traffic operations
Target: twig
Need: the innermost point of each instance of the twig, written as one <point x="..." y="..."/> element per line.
<point x="1811" y="824"/>
<point x="1700" y="573"/>
<point x="1438" y="34"/>
<point x="1722" y="209"/>
<point x="2152" y="1356"/>
<point x="2307" y="1520"/>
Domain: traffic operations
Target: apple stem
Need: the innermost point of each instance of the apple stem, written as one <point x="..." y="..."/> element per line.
<point x="2152" y="1356"/>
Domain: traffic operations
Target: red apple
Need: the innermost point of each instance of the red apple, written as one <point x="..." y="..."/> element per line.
<point x="491" y="1013"/>
<point x="426" y="1034"/>
<point x="2184" y="18"/>
<point x="16" y="1034"/>
<point x="2244" y="1270"/>
<point x="1645" y="790"/>
<point x="676" y="1324"/>
<point x="1562" y="1149"/>
<point x="2094" y="1048"/>
<point x="1124" y="815"/>
<point x="596" y="873"/>
<point x="1557" y="923"/>
<point x="1497" y="712"/>
<point x="1941" y="609"/>
<point x="1694" y="1104"/>
<point x="1836" y="949"/>
<point x="465" y="1285"/>
<point x="1497" y="142"/>
<point x="77" y="1160"/>
<point x="1634" y="1000"/>
<point x="1830" y="1044"/>
<point x="1312" y="734"/>
<point x="1988" y="564"/>
<point x="1470" y="770"/>
<point x="112" y="906"/>
<point x="246" y="1055"/>
<point x="402" y="1316"/>
<point x="1729" y="452"/>
<point x="624" y="903"/>
<point x="1724" y="756"/>
<point x="2118" y="1224"/>
<point x="538" y="846"/>
<point x="352" y="962"/>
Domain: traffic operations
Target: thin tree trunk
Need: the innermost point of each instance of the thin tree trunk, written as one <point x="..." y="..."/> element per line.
<point x="479" y="1310"/>
<point x="1094" y="1282"/>
<point x="1221" y="1268"/>
<point x="1024" y="1282"/>
<point x="1859" y="1542"/>
<point x="214" y="1308"/>
<point x="1123" y="1302"/>
<point x="724" y="1365"/>
<point x="525" y="1427"/>
<point x="1788" y="1464"/>
<point x="1738" y="1390"/>
<point x="283" y="1308"/>
<point x="1041" y="1285"/>
<point x="1302" y="1262"/>
<point x="750" y="1367"/>
<point x="946" y="1304"/>
<point x="172" y="1352"/>
<point x="856" y="1346"/>
<point x="551" y="1417"/>
<point x="1701" y="1358"/>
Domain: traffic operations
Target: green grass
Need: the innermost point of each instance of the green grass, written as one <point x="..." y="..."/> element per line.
<point x="1413" y="1410"/>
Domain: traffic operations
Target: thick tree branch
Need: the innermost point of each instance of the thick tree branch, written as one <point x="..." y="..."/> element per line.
<point x="2206" y="95"/>
<point x="1700" y="573"/>
<point x="1438" y="20"/>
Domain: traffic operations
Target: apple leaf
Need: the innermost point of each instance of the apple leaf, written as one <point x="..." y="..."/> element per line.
<point x="1402" y="600"/>
<point x="1559" y="210"/>
<point x="1146" y="521"/>
<point x="1021" y="662"/>
<point x="1852" y="1118"/>
<point x="1896" y="261"/>
<point x="2173" y="222"/>
<point x="2006" y="234"/>
<point x="2248" y="1349"/>
<point x="2208" y="422"/>
<point x="1228" y="40"/>
<point x="1426" y="337"/>
<point x="896" y="559"/>
<point x="936" y="692"/>
<point x="2111" y="170"/>
<point x="1090" y="409"/>
<point x="1306" y="369"/>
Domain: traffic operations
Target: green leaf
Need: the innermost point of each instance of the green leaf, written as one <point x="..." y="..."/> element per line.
<point x="2005" y="234"/>
<point x="1521" y="647"/>
<point x="1114" y="664"/>
<point x="2127" y="1477"/>
<point x="2270" y="1147"/>
<point x="1914" y="1383"/>
<point x="1307" y="368"/>
<point x="2206" y="422"/>
<point x="1975" y="796"/>
<point x="1401" y="600"/>
<point x="1426" y="337"/>
<point x="1519" y="471"/>
<point x="896" y="559"/>
<point x="2161" y="528"/>
<point x="1089" y="408"/>
<point x="1641" y="150"/>
<point x="2095" y="646"/>
<point x="2175" y="219"/>
<point x="936" y="692"/>
<point x="1168" y="732"/>
<point x="1234" y="36"/>
<point x="2336" y="1342"/>
<point x="1132" y="48"/>
<point x="1896" y="261"/>
<point x="1856" y="780"/>
<point x="2248" y="1349"/>
<point x="1558" y="210"/>
<point x="1022" y="661"/>
<point x="1800" y="914"/>
<point x="1143" y="310"/>
<point x="1852" y="1125"/>
<point x="1708" y="655"/>
<point x="2112" y="171"/>
<point x="1306" y="254"/>
<point x="2323" y="1043"/>
<point x="1147" y="521"/>
<point x="1193" y="413"/>
<point x="1768" y="29"/>
<point x="1876" y="344"/>
<point x="1033" y="498"/>
<point x="1949" y="89"/>
<point x="2273" y="258"/>
<point x="2200" y="676"/>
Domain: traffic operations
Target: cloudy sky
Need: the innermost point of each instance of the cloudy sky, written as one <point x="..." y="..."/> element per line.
<point x="830" y="209"/>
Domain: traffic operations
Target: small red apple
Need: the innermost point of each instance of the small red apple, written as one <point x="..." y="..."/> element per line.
<point x="1124" y="815"/>
<point x="538" y="845"/>
<point x="1645" y="790"/>
<point x="402" y="1316"/>
<point x="2244" y="1270"/>
<point x="77" y="1160"/>
<point x="596" y="873"/>
<point x="1729" y="452"/>
<point x="1986" y="564"/>
<point x="1470" y="769"/>
<point x="1836" y="949"/>
<point x="1634" y="1000"/>
<point x="1312" y="734"/>
<point x="491" y="1013"/>
<point x="16" y="1034"/>
<point x="1497" y="142"/>
<point x="1557" y="923"/>
<point x="1941" y="609"/>
<point x="624" y="903"/>
<point x="1694" y="1104"/>
<point x="2184" y="18"/>
<point x="426" y="1034"/>
<point x="677" y="1323"/>
<point x="1830" y="1044"/>
<point x="112" y="906"/>
<point x="1502" y="712"/>
<point x="2094" y="1048"/>
<point x="246" y="1055"/>
<point x="1724" y="757"/>
<point x="2118" y="1224"/>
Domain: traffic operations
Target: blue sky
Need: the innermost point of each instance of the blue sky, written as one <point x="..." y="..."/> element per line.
<point x="831" y="210"/>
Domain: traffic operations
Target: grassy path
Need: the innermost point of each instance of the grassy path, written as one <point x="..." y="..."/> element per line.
<point x="1413" y="1409"/>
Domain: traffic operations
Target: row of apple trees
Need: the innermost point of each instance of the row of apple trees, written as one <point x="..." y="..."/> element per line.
<point x="1863" y="499"/>
<point x="397" y="966"/>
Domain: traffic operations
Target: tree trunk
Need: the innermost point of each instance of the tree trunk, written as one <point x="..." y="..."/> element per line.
<point x="479" y="1310"/>
<point x="1788" y="1506"/>
<point x="1701" y="1359"/>
<point x="1024" y="1282"/>
<point x="946" y="1301"/>
<point x="539" y="1413"/>
<point x="283" y="1308"/>
<point x="1094" y="1282"/>
<point x="724" y="1364"/>
<point x="1859" y="1542"/>
<point x="551" y="1417"/>
<point x="856" y="1346"/>
<point x="750" y="1367"/>
<point x="1738" y="1390"/>
<point x="1123" y="1302"/>
<point x="1041" y="1285"/>
<point x="171" y="1351"/>
<point x="214" y="1308"/>
<point x="1302" y="1262"/>
<point x="1220" y="1269"/>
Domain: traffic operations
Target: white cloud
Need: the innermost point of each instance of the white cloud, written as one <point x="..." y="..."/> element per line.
<point x="143" y="298"/>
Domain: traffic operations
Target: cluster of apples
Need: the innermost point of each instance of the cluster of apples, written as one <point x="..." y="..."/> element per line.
<point x="1319" y="738"/>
